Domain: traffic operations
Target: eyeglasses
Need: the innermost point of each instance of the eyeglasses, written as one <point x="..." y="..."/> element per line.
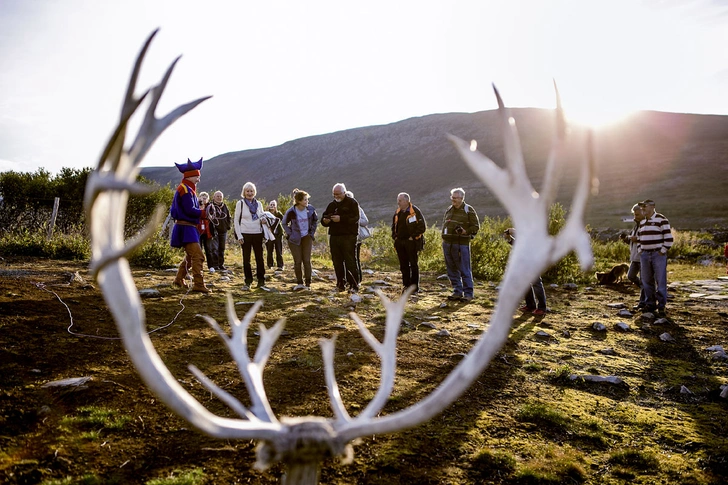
<point x="455" y="197"/>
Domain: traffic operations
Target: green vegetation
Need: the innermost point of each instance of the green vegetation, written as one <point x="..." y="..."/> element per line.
<point x="93" y="419"/>
<point x="180" y="477"/>
<point x="72" y="246"/>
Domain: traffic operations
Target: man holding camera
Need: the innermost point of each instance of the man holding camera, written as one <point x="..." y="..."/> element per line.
<point x="459" y="226"/>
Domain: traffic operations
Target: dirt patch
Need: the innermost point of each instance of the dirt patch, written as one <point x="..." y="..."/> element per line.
<point x="55" y="325"/>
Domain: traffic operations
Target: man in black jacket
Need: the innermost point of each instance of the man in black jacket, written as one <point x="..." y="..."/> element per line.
<point x="342" y="218"/>
<point x="408" y="229"/>
<point x="219" y="216"/>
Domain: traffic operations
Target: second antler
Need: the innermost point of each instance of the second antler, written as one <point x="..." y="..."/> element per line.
<point x="303" y="442"/>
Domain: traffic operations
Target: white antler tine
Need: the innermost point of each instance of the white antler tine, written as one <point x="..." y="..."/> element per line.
<point x="332" y="387"/>
<point x="512" y="148"/>
<point x="551" y="178"/>
<point x="268" y="337"/>
<point x="223" y="395"/>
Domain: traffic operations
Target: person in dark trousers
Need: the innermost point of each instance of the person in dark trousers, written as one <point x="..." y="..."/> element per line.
<point x="206" y="230"/>
<point x="219" y="216"/>
<point x="342" y="219"/>
<point x="277" y="243"/>
<point x="248" y="221"/>
<point x="536" y="295"/>
<point x="459" y="226"/>
<point x="408" y="230"/>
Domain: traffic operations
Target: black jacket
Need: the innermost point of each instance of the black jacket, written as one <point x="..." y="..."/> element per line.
<point x="348" y="211"/>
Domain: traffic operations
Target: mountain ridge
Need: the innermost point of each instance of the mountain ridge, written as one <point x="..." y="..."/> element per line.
<point x="679" y="160"/>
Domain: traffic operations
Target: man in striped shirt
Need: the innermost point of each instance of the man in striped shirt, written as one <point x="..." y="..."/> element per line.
<point x="655" y="238"/>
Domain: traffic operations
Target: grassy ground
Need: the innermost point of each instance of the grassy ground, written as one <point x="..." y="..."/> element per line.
<point x="523" y="421"/>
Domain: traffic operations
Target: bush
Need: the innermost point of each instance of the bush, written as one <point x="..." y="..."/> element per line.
<point x="156" y="253"/>
<point x="72" y="246"/>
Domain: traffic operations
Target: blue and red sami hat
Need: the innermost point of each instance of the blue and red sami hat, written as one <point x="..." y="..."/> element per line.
<point x="190" y="169"/>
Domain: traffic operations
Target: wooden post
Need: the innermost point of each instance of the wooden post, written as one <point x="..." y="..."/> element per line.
<point x="52" y="223"/>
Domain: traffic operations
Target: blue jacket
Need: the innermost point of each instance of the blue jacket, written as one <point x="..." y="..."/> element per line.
<point x="290" y="224"/>
<point x="185" y="207"/>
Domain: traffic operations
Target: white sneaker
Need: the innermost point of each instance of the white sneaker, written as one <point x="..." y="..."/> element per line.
<point x="212" y="270"/>
<point x="299" y="287"/>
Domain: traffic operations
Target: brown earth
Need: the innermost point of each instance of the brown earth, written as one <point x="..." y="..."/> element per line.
<point x="57" y="326"/>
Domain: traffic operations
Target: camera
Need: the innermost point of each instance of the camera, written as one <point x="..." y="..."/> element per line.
<point x="460" y="230"/>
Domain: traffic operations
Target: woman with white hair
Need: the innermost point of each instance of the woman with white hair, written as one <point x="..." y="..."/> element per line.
<point x="249" y="221"/>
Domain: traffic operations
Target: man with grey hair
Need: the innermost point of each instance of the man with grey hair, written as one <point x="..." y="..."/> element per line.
<point x="342" y="218"/>
<point x="459" y="225"/>
<point x="408" y="229"/>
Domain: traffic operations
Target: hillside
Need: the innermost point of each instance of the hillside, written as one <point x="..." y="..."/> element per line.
<point x="677" y="159"/>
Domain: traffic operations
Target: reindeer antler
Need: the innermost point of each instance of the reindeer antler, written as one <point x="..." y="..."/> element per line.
<point x="303" y="442"/>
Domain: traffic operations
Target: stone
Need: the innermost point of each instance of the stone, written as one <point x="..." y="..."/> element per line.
<point x="350" y="354"/>
<point x="685" y="390"/>
<point x="661" y="321"/>
<point x="599" y="327"/>
<point x="443" y="305"/>
<point x="149" y="293"/>
<point x="380" y="283"/>
<point x="339" y="327"/>
<point x="542" y="334"/>
<point x="368" y="271"/>
<point x="472" y="325"/>
<point x="355" y="298"/>
<point x="715" y="348"/>
<point x="624" y="313"/>
<point x="622" y="327"/>
<point x="724" y="391"/>
<point x="442" y="277"/>
<point x="616" y="305"/>
<point x="666" y="337"/>
<point x="566" y="333"/>
<point x="720" y="355"/>
<point x="599" y="379"/>
<point x="443" y="333"/>
<point x="428" y="324"/>
<point x="648" y="316"/>
<point x="570" y="286"/>
<point x="77" y="382"/>
<point x="608" y="351"/>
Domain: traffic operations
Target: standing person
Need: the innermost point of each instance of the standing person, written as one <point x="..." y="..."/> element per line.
<point x="633" y="274"/>
<point x="342" y="218"/>
<point x="460" y="224"/>
<point x="248" y="221"/>
<point x="536" y="295"/>
<point x="364" y="233"/>
<point x="206" y="230"/>
<point x="219" y="216"/>
<point x="277" y="243"/>
<point x="185" y="211"/>
<point x="408" y="229"/>
<point x="300" y="223"/>
<point x="655" y="239"/>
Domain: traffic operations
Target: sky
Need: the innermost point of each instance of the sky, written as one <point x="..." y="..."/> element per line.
<point x="280" y="70"/>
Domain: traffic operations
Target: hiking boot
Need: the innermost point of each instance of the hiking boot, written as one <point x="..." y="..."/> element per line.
<point x="298" y="287"/>
<point x="455" y="296"/>
<point x="660" y="312"/>
<point x="468" y="298"/>
<point x="179" y="284"/>
<point x="539" y="312"/>
<point x="638" y="307"/>
<point x="212" y="270"/>
<point x="526" y="309"/>
<point x="199" y="285"/>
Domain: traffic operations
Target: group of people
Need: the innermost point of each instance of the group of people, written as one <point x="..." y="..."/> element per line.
<point x="201" y="223"/>
<point x="649" y="240"/>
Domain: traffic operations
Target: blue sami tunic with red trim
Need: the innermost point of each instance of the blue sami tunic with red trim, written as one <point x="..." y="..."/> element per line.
<point x="185" y="207"/>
